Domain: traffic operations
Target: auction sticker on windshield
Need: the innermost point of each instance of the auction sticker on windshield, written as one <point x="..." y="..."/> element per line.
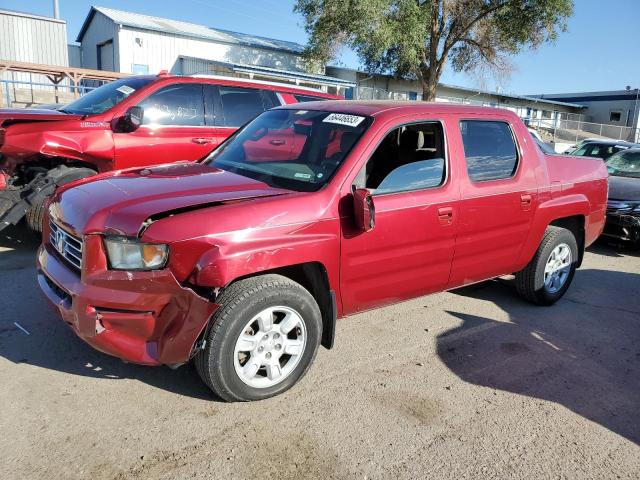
<point x="126" y="89"/>
<point x="343" y="119"/>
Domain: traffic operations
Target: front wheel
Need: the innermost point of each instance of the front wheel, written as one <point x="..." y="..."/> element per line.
<point x="548" y="275"/>
<point x="262" y="339"/>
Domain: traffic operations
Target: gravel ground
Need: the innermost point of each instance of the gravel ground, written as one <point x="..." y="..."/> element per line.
<point x="473" y="383"/>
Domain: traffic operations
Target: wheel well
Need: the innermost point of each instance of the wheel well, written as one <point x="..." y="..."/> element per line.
<point x="575" y="225"/>
<point x="29" y="170"/>
<point x="312" y="276"/>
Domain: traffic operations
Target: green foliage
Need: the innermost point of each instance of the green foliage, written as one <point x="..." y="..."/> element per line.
<point x="415" y="38"/>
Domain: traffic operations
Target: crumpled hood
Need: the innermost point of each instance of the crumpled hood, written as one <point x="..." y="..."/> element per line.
<point x="32" y="114"/>
<point x="119" y="203"/>
<point x="624" y="188"/>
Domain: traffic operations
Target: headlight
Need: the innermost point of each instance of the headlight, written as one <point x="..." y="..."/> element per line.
<point x="130" y="254"/>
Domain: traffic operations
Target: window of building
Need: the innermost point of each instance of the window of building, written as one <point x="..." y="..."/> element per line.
<point x="410" y="157"/>
<point x="489" y="150"/>
<point x="139" y="69"/>
<point x="615" y="116"/>
<point x="180" y="105"/>
<point x="239" y="105"/>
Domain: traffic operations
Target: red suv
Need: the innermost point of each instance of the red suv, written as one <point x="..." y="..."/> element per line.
<point x="132" y="122"/>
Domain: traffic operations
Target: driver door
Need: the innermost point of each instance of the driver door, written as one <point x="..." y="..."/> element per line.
<point x="173" y="129"/>
<point x="409" y="251"/>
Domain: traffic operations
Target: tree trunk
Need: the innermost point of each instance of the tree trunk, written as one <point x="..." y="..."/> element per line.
<point x="430" y="76"/>
<point x="429" y="91"/>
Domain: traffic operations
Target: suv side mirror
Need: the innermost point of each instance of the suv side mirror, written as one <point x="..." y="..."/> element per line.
<point x="131" y="120"/>
<point x="364" y="211"/>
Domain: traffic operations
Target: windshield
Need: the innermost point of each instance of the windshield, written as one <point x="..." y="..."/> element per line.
<point x="103" y="98"/>
<point x="625" y="164"/>
<point x="293" y="149"/>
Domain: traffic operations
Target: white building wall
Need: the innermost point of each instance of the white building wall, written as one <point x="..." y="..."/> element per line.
<point x="100" y="30"/>
<point x="160" y="51"/>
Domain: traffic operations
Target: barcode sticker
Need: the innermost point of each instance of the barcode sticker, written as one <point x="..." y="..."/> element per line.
<point x="344" y="119"/>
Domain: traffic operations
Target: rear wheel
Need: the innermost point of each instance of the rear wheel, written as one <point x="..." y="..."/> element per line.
<point x="262" y="339"/>
<point x="548" y="276"/>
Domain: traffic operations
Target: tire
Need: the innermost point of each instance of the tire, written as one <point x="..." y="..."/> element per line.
<point x="530" y="282"/>
<point x="35" y="214"/>
<point x="220" y="365"/>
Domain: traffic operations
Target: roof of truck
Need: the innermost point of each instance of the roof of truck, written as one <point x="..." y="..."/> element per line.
<point x="378" y="107"/>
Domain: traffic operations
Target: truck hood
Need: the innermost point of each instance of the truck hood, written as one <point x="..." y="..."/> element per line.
<point x="13" y="115"/>
<point x="624" y="188"/>
<point x="124" y="202"/>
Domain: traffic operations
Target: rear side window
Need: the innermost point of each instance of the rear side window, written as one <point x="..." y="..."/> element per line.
<point x="307" y="98"/>
<point x="489" y="150"/>
<point x="239" y="105"/>
<point x="180" y="104"/>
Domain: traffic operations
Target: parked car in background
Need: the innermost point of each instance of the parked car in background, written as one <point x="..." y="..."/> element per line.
<point x="623" y="207"/>
<point x="599" y="148"/>
<point x="244" y="261"/>
<point x="131" y="122"/>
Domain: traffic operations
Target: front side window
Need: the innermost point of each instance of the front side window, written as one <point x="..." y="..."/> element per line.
<point x="624" y="164"/>
<point x="239" y="105"/>
<point x="293" y="149"/>
<point x="410" y="157"/>
<point x="489" y="150"/>
<point x="109" y="95"/>
<point x="175" y="105"/>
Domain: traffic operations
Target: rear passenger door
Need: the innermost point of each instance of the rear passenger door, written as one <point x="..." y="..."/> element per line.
<point x="499" y="194"/>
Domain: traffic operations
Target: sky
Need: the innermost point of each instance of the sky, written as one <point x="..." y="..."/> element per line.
<point x="598" y="52"/>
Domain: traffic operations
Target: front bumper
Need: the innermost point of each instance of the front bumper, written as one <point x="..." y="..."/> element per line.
<point x="623" y="227"/>
<point x="140" y="317"/>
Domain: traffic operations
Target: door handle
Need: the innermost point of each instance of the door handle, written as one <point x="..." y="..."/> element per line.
<point x="525" y="201"/>
<point x="202" y="140"/>
<point x="445" y="215"/>
<point x="277" y="143"/>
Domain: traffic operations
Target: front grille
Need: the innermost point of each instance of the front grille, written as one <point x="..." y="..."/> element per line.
<point x="68" y="246"/>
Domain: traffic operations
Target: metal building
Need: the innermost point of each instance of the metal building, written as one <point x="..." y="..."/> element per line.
<point x="134" y="43"/>
<point x="34" y="39"/>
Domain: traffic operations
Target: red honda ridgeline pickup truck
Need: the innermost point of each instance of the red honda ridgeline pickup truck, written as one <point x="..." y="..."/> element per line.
<point x="244" y="261"/>
<point x="132" y="122"/>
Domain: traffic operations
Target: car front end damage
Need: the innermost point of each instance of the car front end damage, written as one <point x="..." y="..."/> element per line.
<point x="623" y="221"/>
<point x="144" y="317"/>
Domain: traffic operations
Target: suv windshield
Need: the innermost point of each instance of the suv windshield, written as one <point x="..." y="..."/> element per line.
<point x="293" y="149"/>
<point x="625" y="164"/>
<point x="103" y="98"/>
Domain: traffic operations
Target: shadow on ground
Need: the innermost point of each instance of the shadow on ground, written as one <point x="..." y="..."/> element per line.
<point x="587" y="362"/>
<point x="51" y="344"/>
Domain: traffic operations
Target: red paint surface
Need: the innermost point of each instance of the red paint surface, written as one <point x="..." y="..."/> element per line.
<point x="423" y="241"/>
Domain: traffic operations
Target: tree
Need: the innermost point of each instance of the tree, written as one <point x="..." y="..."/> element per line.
<point x="416" y="38"/>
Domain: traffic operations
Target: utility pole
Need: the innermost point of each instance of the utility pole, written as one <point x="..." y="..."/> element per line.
<point x="56" y="9"/>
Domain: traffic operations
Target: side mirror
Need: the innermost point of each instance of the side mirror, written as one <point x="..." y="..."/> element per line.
<point x="363" y="209"/>
<point x="131" y="120"/>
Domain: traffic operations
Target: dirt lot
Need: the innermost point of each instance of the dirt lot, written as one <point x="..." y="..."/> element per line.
<point x="468" y="384"/>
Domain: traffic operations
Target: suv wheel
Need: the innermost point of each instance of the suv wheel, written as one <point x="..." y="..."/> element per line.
<point x="262" y="339"/>
<point x="548" y="275"/>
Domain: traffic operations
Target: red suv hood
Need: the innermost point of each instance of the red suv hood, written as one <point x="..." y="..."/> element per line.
<point x="10" y="115"/>
<point x="119" y="203"/>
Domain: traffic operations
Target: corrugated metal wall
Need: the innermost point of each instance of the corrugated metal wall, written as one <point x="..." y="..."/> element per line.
<point x="160" y="51"/>
<point x="26" y="38"/>
<point x="101" y="30"/>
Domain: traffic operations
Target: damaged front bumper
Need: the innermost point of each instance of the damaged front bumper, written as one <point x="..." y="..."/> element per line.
<point x="141" y="317"/>
<point x="623" y="227"/>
